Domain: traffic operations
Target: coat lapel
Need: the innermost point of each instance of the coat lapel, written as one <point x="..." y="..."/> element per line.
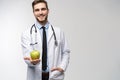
<point x="50" y="33"/>
<point x="39" y="40"/>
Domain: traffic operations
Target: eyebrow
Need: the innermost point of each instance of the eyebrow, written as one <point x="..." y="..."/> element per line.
<point x="37" y="9"/>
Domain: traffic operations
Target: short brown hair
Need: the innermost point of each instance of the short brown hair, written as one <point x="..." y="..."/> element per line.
<point x="39" y="1"/>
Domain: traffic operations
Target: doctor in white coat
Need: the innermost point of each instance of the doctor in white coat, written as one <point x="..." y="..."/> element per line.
<point x="57" y="54"/>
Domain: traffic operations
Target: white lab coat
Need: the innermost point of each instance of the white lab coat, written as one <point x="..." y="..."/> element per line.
<point x="58" y="56"/>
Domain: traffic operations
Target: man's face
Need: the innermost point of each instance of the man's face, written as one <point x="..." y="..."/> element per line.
<point x="41" y="12"/>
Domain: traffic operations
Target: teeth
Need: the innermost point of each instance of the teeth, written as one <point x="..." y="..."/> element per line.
<point x="41" y="16"/>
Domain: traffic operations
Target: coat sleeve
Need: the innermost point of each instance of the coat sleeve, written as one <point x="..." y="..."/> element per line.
<point x="65" y="52"/>
<point x="26" y="48"/>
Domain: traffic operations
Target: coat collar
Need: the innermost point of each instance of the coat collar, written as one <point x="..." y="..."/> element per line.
<point x="49" y="34"/>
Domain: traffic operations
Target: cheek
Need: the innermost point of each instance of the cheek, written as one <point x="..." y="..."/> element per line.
<point x="36" y="14"/>
<point x="45" y="13"/>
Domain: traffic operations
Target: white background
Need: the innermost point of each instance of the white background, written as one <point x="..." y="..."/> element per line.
<point x="92" y="28"/>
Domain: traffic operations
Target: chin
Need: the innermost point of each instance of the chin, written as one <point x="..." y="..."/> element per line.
<point x="42" y="20"/>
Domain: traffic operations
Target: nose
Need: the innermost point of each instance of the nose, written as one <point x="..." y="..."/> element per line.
<point x="40" y="11"/>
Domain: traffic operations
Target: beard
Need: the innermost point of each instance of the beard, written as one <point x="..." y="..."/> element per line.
<point x="44" y="21"/>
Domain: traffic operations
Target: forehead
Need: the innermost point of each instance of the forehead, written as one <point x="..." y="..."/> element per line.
<point x="40" y="5"/>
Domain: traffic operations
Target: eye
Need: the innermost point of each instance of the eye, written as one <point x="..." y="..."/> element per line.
<point x="36" y="10"/>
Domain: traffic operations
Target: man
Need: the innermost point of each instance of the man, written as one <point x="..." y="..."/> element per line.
<point x="48" y="40"/>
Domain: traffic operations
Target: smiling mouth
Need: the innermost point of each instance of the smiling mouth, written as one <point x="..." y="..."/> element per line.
<point x="41" y="16"/>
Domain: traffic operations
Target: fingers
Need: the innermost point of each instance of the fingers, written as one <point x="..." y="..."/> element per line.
<point x="57" y="68"/>
<point x="26" y="58"/>
<point x="35" y="61"/>
<point x="53" y="69"/>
